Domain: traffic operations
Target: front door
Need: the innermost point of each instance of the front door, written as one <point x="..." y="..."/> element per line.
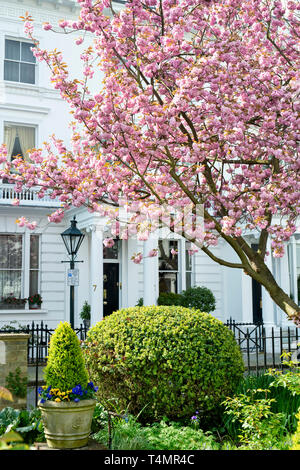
<point x="110" y="288"/>
<point x="256" y="301"/>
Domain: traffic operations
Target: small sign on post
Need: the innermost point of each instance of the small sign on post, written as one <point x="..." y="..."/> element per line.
<point x="73" y="277"/>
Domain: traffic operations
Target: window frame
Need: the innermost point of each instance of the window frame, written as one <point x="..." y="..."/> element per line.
<point x="19" y="62"/>
<point x="20" y="124"/>
<point x="25" y="271"/>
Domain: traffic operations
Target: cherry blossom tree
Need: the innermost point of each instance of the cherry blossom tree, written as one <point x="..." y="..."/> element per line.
<point x="198" y="106"/>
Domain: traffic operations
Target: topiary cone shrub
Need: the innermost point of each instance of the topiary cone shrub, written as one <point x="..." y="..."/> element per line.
<point x="65" y="366"/>
<point x="170" y="360"/>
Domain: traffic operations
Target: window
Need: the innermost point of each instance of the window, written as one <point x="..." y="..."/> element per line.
<point x="175" y="265"/>
<point x="19" y="62"/>
<point x="18" y="278"/>
<point x="18" y="140"/>
<point x="111" y="252"/>
<point x="188" y="265"/>
<point x="34" y="265"/>
<point x="11" y="265"/>
<point x="168" y="265"/>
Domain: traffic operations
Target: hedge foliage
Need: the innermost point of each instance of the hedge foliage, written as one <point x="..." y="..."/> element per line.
<point x="169" y="361"/>
<point x="65" y="367"/>
<point x="200" y="298"/>
<point x="169" y="298"/>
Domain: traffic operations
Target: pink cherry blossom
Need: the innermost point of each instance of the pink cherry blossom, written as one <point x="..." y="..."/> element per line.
<point x="108" y="242"/>
<point x="199" y="105"/>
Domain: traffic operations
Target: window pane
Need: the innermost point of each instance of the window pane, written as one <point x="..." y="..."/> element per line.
<point x="16" y="151"/>
<point x="10" y="251"/>
<point x="111" y="252"/>
<point x="27" y="73"/>
<point x="167" y="259"/>
<point x="167" y="282"/>
<point x="26" y="53"/>
<point x="12" y="49"/>
<point x="10" y="284"/>
<point x="188" y="257"/>
<point x="11" y="71"/>
<point x="34" y="283"/>
<point x="34" y="252"/>
<point x="188" y="280"/>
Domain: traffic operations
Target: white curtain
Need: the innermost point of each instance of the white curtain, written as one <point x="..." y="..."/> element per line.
<point x="10" y="266"/>
<point x="9" y="139"/>
<point x="27" y="139"/>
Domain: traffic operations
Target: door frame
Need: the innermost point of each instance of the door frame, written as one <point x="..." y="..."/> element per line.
<point x="119" y="262"/>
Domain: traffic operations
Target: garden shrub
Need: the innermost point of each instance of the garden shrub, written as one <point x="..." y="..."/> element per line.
<point x="260" y="428"/>
<point x="65" y="367"/>
<point x="169" y="298"/>
<point x="166" y="361"/>
<point x="296" y="436"/>
<point x="200" y="298"/>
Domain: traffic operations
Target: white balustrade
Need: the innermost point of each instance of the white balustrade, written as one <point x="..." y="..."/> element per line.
<point x="27" y="197"/>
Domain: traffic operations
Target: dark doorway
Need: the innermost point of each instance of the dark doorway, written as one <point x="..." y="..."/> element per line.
<point x="256" y="298"/>
<point x="110" y="288"/>
<point x="256" y="301"/>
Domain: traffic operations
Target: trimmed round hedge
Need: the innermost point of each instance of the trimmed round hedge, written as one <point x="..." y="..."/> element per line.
<point x="166" y="361"/>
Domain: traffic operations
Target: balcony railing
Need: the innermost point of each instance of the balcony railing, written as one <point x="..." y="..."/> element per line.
<point x="27" y="197"/>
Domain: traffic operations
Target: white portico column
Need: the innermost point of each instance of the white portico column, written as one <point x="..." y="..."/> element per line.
<point x="150" y="272"/>
<point x="269" y="313"/>
<point x="96" y="274"/>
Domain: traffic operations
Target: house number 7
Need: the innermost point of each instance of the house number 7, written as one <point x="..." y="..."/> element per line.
<point x="95" y="287"/>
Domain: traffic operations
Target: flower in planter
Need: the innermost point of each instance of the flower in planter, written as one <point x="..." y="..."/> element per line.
<point x="76" y="394"/>
<point x="65" y="374"/>
<point x="67" y="383"/>
<point x="35" y="299"/>
<point x="11" y="299"/>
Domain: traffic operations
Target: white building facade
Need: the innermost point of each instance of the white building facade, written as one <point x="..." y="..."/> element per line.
<point x="31" y="261"/>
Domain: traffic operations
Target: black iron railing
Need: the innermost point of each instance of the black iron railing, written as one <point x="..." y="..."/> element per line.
<point x="39" y="339"/>
<point x="265" y="347"/>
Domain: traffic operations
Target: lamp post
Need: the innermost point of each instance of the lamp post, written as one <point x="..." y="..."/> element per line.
<point x="72" y="238"/>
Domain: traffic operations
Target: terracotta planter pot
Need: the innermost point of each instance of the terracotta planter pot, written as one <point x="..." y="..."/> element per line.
<point x="67" y="425"/>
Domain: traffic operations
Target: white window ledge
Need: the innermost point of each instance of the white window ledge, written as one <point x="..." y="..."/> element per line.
<point x="29" y="311"/>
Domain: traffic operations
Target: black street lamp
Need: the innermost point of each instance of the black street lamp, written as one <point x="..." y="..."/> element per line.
<point x="72" y="238"/>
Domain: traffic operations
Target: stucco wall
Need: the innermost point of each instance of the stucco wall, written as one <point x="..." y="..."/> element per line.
<point x="13" y="355"/>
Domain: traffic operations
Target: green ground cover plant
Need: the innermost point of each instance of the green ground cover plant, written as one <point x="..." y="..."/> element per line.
<point x="26" y="423"/>
<point x="129" y="434"/>
<point x="16" y="383"/>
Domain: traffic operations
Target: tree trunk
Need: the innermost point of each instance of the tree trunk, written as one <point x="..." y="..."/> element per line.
<point x="264" y="276"/>
<point x="284" y="301"/>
